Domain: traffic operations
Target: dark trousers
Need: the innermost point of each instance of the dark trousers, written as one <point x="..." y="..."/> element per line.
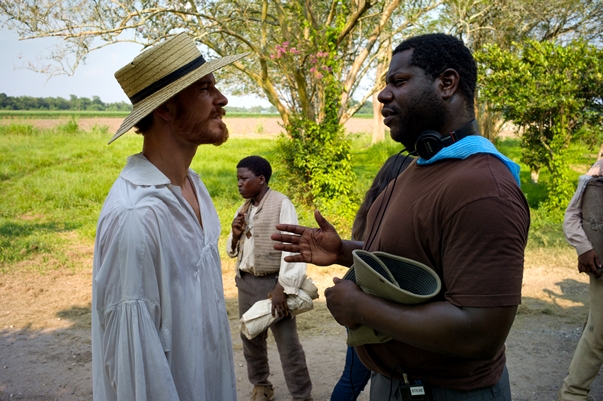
<point x="385" y="389"/>
<point x="354" y="378"/>
<point x="293" y="359"/>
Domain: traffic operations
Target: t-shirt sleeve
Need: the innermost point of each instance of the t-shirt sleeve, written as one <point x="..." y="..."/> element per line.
<point x="483" y="253"/>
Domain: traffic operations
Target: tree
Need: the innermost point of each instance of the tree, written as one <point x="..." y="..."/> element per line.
<point x="308" y="58"/>
<point x="504" y="22"/>
<point x="554" y="93"/>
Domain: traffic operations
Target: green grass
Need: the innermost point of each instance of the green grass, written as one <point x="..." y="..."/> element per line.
<point x="53" y="183"/>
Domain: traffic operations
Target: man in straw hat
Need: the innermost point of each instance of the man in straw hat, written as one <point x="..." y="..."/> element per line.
<point x="457" y="209"/>
<point x="159" y="324"/>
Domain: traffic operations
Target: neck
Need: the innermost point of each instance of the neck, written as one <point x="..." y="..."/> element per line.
<point x="455" y="124"/>
<point x="171" y="158"/>
<point x="258" y="198"/>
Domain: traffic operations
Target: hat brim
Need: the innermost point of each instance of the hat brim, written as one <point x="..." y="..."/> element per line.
<point x="150" y="103"/>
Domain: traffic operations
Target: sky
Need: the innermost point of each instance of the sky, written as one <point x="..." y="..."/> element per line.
<point x="94" y="78"/>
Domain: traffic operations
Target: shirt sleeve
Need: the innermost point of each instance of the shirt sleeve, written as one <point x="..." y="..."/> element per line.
<point x="133" y="353"/>
<point x="291" y="275"/>
<point x="572" y="223"/>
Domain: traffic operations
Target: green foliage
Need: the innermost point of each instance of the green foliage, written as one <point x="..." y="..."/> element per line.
<point x="71" y="126"/>
<point x="59" y="103"/>
<point x="315" y="153"/>
<point x="553" y="93"/>
<point x="316" y="157"/>
<point x="53" y="185"/>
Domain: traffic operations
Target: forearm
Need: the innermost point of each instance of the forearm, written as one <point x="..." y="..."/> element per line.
<point x="232" y="248"/>
<point x="438" y="327"/>
<point x="344" y="257"/>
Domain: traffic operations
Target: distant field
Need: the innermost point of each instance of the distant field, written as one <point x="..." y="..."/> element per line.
<point x="256" y="126"/>
<point x="53" y="114"/>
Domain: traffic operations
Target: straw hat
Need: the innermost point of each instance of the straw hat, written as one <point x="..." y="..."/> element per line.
<point x="391" y="277"/>
<point x="162" y="71"/>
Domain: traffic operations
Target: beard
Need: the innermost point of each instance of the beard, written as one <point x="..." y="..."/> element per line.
<point x="424" y="111"/>
<point x="195" y="129"/>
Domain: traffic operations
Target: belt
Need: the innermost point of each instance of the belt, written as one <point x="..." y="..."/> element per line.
<point x="261" y="275"/>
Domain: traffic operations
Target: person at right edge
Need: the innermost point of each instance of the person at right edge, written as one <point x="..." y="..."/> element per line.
<point x="457" y="209"/>
<point x="588" y="356"/>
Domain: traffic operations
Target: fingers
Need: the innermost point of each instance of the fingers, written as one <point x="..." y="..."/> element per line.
<point x="287" y="238"/>
<point x="294" y="258"/>
<point x="322" y="222"/>
<point x="291" y="228"/>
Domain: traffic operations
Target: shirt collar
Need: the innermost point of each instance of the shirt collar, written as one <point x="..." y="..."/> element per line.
<point x="140" y="171"/>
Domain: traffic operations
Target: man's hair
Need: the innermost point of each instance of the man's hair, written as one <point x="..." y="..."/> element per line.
<point x="436" y="52"/>
<point x="143" y="126"/>
<point x="258" y="166"/>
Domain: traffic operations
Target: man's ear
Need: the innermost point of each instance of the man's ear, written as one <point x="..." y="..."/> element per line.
<point x="448" y="83"/>
<point x="167" y="111"/>
<point x="262" y="179"/>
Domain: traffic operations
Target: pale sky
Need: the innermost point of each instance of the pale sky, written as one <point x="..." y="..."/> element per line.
<point x="95" y="78"/>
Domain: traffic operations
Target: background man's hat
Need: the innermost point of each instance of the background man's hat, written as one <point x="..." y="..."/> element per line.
<point x="162" y="71"/>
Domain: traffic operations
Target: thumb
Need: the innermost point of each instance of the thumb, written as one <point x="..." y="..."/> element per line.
<point x="322" y="222"/>
<point x="337" y="280"/>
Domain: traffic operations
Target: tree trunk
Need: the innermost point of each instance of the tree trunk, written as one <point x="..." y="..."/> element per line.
<point x="381" y="70"/>
<point x="378" y="126"/>
<point x="534" y="175"/>
<point x="600" y="154"/>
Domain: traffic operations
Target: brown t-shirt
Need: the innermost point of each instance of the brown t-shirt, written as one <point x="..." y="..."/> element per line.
<point x="468" y="220"/>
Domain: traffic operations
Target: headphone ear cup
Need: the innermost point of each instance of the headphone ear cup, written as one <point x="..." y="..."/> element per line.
<point x="428" y="144"/>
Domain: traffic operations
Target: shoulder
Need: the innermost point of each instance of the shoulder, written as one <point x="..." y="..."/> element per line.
<point x="277" y="196"/>
<point x="480" y="176"/>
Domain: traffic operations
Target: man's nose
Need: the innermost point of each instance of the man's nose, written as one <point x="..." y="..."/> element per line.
<point x="385" y="96"/>
<point x="220" y="99"/>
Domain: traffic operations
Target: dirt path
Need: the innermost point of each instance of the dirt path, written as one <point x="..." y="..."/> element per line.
<point x="45" y="337"/>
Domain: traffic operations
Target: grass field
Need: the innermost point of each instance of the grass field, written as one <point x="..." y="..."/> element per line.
<point x="54" y="181"/>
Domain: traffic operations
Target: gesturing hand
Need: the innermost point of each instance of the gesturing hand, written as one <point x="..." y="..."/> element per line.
<point x="238" y="225"/>
<point x="319" y="246"/>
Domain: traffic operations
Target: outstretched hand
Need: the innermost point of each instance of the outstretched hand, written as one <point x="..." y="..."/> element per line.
<point x="320" y="246"/>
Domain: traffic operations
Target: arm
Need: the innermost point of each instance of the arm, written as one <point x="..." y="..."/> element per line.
<point x="291" y="274"/>
<point x="321" y="246"/>
<point x="437" y="327"/>
<point x="133" y="356"/>
<point x="481" y="272"/>
<point x="237" y="228"/>
<point x="588" y="262"/>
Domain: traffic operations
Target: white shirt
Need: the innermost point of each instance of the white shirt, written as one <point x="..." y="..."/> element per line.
<point x="291" y="275"/>
<point x="572" y="223"/>
<point x="159" y="324"/>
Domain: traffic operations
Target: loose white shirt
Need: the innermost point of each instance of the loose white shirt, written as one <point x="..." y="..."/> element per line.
<point x="159" y="324"/>
<point x="291" y="275"/>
